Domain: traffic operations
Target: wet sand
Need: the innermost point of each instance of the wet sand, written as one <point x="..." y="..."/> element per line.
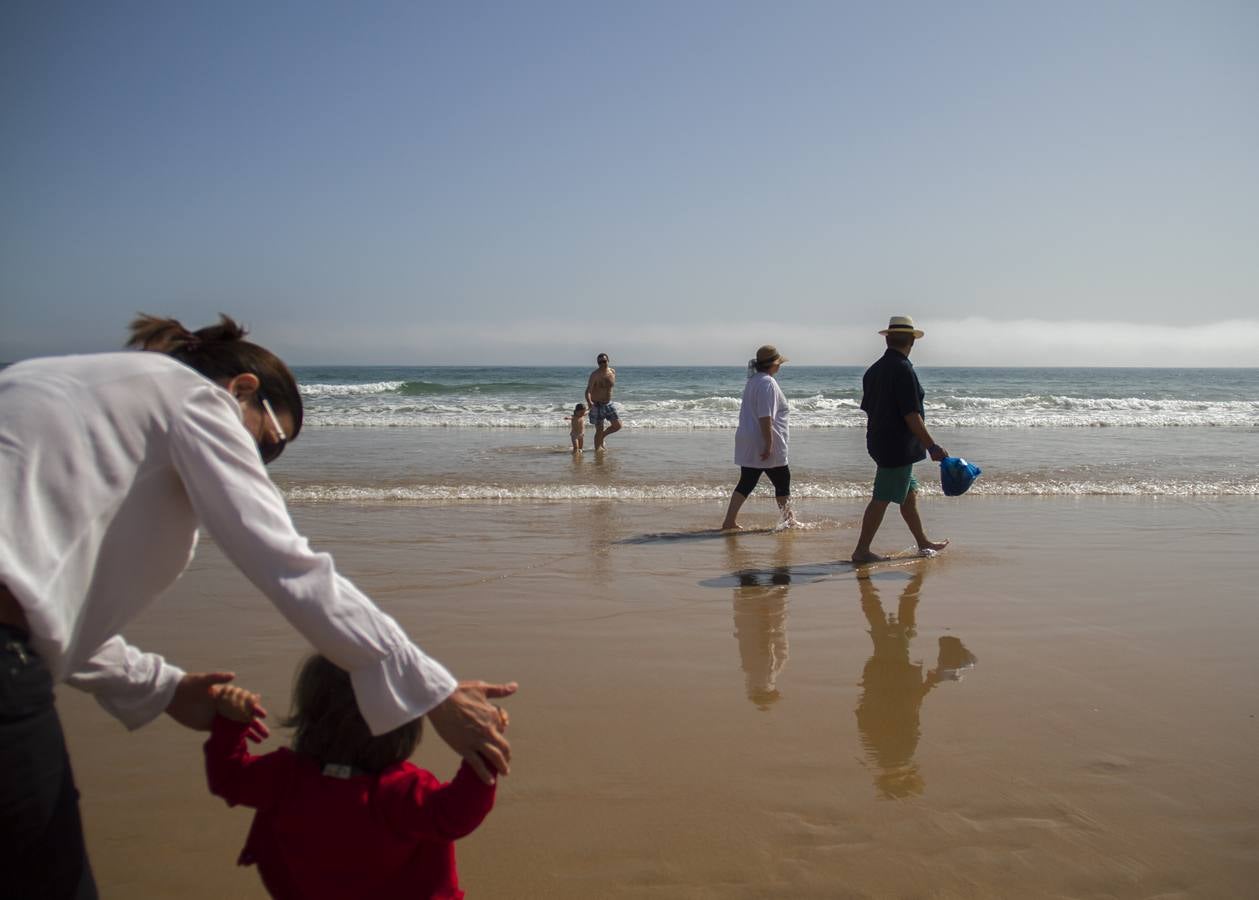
<point x="704" y="716"/>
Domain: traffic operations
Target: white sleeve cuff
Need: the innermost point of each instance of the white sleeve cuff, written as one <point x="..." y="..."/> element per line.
<point x="399" y="688"/>
<point x="133" y="687"/>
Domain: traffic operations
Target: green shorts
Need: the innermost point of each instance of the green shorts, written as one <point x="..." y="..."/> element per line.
<point x="893" y="485"/>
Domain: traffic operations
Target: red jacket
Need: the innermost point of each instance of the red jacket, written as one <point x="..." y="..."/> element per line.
<point x="389" y="834"/>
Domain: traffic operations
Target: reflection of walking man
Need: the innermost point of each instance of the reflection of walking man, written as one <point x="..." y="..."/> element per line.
<point x="603" y="415"/>
<point x="893" y="688"/>
<point x="896" y="436"/>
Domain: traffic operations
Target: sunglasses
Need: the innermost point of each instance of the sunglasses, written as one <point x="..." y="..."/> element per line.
<point x="270" y="450"/>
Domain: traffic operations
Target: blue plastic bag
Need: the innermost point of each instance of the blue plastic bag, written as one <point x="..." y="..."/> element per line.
<point x="957" y="475"/>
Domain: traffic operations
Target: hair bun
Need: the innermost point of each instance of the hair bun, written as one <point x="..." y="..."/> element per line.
<point x="156" y="333"/>
<point x="228" y="329"/>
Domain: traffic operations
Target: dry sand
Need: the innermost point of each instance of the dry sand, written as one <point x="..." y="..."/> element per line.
<point x="685" y="732"/>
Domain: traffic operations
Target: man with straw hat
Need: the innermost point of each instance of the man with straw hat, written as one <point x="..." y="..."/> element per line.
<point x="896" y="437"/>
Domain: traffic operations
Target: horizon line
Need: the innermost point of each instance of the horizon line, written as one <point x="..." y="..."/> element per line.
<point x="584" y="366"/>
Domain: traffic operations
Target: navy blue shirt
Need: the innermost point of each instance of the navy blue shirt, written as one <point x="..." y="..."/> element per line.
<point x="890" y="392"/>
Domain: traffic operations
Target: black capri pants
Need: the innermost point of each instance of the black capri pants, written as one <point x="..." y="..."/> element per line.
<point x="779" y="477"/>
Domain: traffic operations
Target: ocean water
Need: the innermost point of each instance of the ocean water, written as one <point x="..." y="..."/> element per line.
<point x="471" y="434"/>
<point x="692" y="397"/>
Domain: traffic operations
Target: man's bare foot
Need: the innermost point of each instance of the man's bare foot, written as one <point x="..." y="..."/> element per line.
<point x="934" y="545"/>
<point x="866" y="557"/>
<point x="730" y="526"/>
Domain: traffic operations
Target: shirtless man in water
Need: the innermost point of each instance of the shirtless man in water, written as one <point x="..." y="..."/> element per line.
<point x="603" y="415"/>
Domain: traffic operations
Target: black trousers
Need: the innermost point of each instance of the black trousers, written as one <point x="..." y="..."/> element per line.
<point x="779" y="477"/>
<point x="42" y="852"/>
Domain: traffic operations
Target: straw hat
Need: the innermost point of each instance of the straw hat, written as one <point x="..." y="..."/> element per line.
<point x="901" y="325"/>
<point x="768" y="355"/>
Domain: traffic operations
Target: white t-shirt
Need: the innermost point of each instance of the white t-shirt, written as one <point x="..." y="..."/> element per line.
<point x="110" y="462"/>
<point x="761" y="397"/>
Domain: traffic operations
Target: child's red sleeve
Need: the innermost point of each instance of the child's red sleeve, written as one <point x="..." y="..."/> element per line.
<point x="426" y="808"/>
<point x="233" y="773"/>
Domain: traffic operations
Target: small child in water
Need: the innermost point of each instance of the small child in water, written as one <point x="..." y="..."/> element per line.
<point x="342" y="814"/>
<point x="578" y="432"/>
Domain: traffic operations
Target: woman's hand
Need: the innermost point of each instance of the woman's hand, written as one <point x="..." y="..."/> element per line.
<point x="473" y="726"/>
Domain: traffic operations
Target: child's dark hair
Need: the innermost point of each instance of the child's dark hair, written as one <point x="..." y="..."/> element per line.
<point x="579" y="408"/>
<point x="332" y="730"/>
<point x="221" y="352"/>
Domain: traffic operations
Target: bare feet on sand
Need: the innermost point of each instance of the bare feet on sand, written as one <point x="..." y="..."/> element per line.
<point x="866" y="557"/>
<point x="730" y="526"/>
<point x="934" y="545"/>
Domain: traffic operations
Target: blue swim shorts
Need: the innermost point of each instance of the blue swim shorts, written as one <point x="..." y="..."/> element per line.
<point x="602" y="412"/>
<point x="892" y="485"/>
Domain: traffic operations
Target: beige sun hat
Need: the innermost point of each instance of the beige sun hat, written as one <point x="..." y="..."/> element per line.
<point x="901" y="325"/>
<point x="769" y="354"/>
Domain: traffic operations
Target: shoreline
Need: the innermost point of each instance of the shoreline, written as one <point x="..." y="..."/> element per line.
<point x="828" y="466"/>
<point x="684" y="731"/>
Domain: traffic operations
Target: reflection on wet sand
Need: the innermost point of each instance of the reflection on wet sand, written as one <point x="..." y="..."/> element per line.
<point x="597" y="469"/>
<point x="599" y="522"/>
<point x="893" y="687"/>
<point x="760" y="623"/>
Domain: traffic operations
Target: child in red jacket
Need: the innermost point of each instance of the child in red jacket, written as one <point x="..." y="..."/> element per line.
<point x="343" y="814"/>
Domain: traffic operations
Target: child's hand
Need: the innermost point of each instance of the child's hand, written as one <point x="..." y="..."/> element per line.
<point x="240" y="705"/>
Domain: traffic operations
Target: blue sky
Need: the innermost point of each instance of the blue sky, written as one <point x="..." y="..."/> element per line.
<point x="1055" y="183"/>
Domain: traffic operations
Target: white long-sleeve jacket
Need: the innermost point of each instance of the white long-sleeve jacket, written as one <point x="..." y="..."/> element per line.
<point x="108" y="465"/>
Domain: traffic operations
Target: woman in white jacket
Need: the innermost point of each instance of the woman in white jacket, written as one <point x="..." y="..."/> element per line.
<point x="110" y="464"/>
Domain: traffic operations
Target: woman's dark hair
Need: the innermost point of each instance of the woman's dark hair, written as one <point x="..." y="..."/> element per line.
<point x="754" y="366"/>
<point x="332" y="730"/>
<point x="221" y="352"/>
